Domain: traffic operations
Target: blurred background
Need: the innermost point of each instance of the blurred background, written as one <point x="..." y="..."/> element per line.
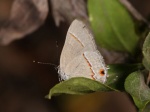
<point x="35" y="30"/>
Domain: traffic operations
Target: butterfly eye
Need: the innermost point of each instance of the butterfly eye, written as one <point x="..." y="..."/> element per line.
<point x="102" y="72"/>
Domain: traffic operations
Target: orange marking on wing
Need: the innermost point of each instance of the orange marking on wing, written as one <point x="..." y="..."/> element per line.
<point x="101" y="72"/>
<point x="76" y="39"/>
<point x="92" y="75"/>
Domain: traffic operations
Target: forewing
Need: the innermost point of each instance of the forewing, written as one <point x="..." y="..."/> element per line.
<point x="78" y="40"/>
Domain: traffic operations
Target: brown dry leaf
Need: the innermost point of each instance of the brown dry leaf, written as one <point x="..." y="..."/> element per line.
<point x="5" y="6"/>
<point x="68" y="10"/>
<point x="25" y="17"/>
<point x="134" y="12"/>
<point x="113" y="57"/>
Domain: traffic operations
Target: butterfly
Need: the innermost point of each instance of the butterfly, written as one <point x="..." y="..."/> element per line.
<point x="80" y="57"/>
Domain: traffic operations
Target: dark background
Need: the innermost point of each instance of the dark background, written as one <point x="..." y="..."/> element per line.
<point x="24" y="84"/>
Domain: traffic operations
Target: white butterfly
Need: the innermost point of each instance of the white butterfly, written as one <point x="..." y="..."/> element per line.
<point x="80" y="57"/>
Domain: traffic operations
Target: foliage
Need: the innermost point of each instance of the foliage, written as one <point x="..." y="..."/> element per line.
<point x="114" y="29"/>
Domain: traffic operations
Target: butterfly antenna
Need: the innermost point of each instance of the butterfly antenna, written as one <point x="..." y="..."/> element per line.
<point x="38" y="62"/>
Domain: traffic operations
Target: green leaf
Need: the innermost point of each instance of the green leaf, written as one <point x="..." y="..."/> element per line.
<point x="112" y="25"/>
<point x="118" y="73"/>
<point x="136" y="87"/>
<point x="146" y="64"/>
<point x="146" y="52"/>
<point x="79" y="85"/>
<point x="147" y="108"/>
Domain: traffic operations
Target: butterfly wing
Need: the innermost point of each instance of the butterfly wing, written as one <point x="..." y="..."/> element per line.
<point x="80" y="57"/>
<point x="78" y="40"/>
<point x="89" y="65"/>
